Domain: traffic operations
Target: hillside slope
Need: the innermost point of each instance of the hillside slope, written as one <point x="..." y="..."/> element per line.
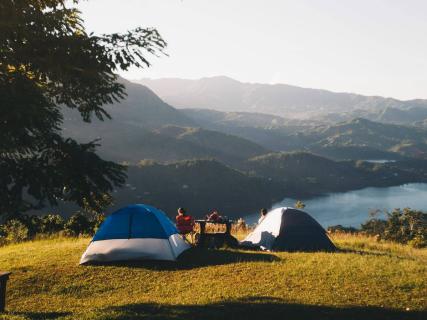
<point x="364" y="132"/>
<point x="367" y="280"/>
<point x="305" y="174"/>
<point x="141" y="108"/>
<point x="357" y="138"/>
<point x="219" y="119"/>
<point x="373" y="139"/>
<point x="200" y="186"/>
<point x="221" y="146"/>
<point x="137" y="131"/>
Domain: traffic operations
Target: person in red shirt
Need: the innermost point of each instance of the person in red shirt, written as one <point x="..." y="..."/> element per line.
<point x="184" y="223"/>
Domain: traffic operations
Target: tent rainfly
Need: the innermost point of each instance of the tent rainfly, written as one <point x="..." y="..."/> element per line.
<point x="289" y="229"/>
<point x="135" y="232"/>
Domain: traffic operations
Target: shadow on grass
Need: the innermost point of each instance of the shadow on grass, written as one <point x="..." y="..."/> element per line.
<point x="255" y="308"/>
<point x="373" y="253"/>
<point x="36" y="315"/>
<point x="245" y="309"/>
<point x="196" y="258"/>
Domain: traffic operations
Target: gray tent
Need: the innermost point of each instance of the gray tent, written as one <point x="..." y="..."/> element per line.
<point x="289" y="229"/>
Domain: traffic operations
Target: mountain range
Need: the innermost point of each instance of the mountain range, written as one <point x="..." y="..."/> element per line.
<point x="226" y="94"/>
<point x="237" y="161"/>
<point x="357" y="138"/>
<point x="145" y="127"/>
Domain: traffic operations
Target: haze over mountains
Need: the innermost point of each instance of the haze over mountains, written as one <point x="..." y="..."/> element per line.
<point x="145" y="127"/>
<point x="206" y="158"/>
<point x="226" y="94"/>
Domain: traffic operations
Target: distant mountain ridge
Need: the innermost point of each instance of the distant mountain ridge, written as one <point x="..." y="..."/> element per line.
<point x="368" y="136"/>
<point x="357" y="138"/>
<point x="142" y="127"/>
<point x="203" y="159"/>
<point x="140" y="108"/>
<point x="226" y="94"/>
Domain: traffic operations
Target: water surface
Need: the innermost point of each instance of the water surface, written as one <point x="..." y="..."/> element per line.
<point x="379" y="161"/>
<point x="353" y="207"/>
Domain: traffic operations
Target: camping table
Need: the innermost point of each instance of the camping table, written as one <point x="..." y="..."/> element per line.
<point x="4" y="276"/>
<point x="203" y="223"/>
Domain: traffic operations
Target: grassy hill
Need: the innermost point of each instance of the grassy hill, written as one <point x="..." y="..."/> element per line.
<point x="366" y="280"/>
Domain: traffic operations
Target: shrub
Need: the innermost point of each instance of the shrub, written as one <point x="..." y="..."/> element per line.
<point x="31" y="222"/>
<point x="406" y="226"/>
<point x="402" y="226"/>
<point x="78" y="224"/>
<point x="374" y="227"/>
<point x="419" y="241"/>
<point x="299" y="204"/>
<point x="340" y="228"/>
<point x="96" y="221"/>
<point x="51" y="223"/>
<point x="24" y="227"/>
<point x="3" y="234"/>
<point x="15" y="231"/>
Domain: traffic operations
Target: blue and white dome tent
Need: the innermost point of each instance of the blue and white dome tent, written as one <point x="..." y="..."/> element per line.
<point x="135" y="232"/>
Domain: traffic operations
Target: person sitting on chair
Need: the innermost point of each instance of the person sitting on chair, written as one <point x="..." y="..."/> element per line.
<point x="263" y="213"/>
<point x="214" y="216"/>
<point x="184" y="222"/>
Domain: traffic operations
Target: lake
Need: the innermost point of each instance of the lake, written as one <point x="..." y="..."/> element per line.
<point x="352" y="208"/>
<point x="379" y="161"/>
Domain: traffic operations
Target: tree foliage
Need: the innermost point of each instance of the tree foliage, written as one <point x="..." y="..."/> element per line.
<point x="48" y="62"/>
<point x="78" y="224"/>
<point x="402" y="226"/>
<point x="29" y="227"/>
<point x="299" y="204"/>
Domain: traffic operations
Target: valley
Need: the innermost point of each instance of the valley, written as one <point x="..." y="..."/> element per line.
<point x="240" y="161"/>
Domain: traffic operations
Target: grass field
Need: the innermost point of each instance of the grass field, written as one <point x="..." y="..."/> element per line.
<point x="366" y="280"/>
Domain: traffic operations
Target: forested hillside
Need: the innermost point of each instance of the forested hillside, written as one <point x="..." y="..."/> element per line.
<point x="200" y="186"/>
<point x="234" y="161"/>
<point x="356" y="139"/>
<point x="144" y="127"/>
<point x="305" y="174"/>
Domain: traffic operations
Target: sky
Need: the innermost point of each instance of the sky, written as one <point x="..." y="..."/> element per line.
<point x="372" y="47"/>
